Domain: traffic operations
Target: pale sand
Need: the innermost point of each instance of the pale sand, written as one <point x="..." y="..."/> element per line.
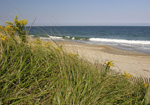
<point x="135" y="63"/>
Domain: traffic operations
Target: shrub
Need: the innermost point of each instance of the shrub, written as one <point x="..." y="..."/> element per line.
<point x="15" y="27"/>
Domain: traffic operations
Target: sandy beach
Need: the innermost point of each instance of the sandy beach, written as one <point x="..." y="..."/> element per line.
<point x="135" y="63"/>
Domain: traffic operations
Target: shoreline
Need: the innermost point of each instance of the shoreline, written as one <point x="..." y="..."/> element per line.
<point x="131" y="48"/>
<point x="106" y="48"/>
<point x="132" y="62"/>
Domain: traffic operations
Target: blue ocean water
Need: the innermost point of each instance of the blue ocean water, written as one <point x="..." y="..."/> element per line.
<point x="136" y="38"/>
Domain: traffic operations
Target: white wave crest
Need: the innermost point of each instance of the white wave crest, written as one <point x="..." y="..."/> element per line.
<point x="44" y="38"/>
<point x="120" y="41"/>
<point x="73" y="38"/>
<point x="55" y="37"/>
<point x="52" y="37"/>
<point x="67" y="37"/>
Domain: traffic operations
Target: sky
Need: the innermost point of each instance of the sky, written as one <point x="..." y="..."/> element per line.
<point x="77" y="12"/>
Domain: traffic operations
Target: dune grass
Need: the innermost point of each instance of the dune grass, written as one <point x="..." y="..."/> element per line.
<point x="37" y="72"/>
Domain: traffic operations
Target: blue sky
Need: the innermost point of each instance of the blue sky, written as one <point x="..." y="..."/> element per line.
<point x="78" y="12"/>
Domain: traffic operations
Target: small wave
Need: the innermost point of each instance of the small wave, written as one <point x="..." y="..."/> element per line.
<point x="51" y="37"/>
<point x="120" y="41"/>
<point x="67" y="37"/>
<point x="75" y="38"/>
<point x="45" y="38"/>
<point x="55" y="37"/>
<point x="31" y="35"/>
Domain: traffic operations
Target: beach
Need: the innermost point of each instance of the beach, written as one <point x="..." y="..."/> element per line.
<point x="132" y="62"/>
<point x="75" y="52"/>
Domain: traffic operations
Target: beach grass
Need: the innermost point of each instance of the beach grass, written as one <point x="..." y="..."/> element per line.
<point x="40" y="72"/>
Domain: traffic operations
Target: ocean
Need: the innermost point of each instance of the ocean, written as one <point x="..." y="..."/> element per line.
<point x="133" y="38"/>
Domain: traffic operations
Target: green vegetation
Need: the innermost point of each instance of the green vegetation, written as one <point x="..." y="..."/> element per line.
<point x="38" y="72"/>
<point x="16" y="27"/>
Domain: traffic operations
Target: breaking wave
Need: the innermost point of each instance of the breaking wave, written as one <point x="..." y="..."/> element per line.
<point x="120" y="41"/>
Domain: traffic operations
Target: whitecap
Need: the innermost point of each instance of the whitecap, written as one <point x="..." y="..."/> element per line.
<point x="120" y="41"/>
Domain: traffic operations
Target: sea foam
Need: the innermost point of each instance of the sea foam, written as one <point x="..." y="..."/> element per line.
<point x="52" y="37"/>
<point x="120" y="41"/>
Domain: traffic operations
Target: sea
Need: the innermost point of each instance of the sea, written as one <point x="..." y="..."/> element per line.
<point x="132" y="38"/>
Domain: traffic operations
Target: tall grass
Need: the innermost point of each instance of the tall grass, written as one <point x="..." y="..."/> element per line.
<point x="38" y="72"/>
